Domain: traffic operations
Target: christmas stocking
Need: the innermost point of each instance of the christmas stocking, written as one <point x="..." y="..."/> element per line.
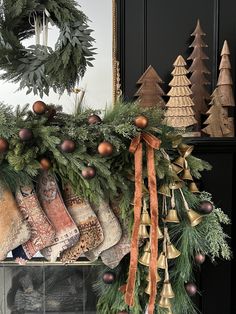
<point x="91" y="234"/>
<point x="14" y="230"/>
<point x="111" y="230"/>
<point x="42" y="232"/>
<point x="114" y="255"/>
<point x="67" y="233"/>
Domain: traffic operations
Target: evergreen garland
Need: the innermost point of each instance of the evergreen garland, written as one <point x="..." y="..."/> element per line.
<point x="114" y="178"/>
<point x="39" y="68"/>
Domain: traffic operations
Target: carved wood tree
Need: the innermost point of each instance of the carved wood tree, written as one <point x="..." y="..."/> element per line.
<point x="180" y="111"/>
<point x="217" y="119"/>
<point x="199" y="70"/>
<point x="150" y="93"/>
<point x="225" y="86"/>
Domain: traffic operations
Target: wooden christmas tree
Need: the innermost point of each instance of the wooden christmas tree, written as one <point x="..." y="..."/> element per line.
<point x="225" y="86"/>
<point x="198" y="71"/>
<point x="217" y="119"/>
<point x="150" y="93"/>
<point x="180" y="111"/>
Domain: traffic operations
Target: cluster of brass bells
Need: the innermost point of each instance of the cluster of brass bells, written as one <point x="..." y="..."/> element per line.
<point x="144" y="222"/>
<point x="148" y="288"/>
<point x="167" y="293"/>
<point x="171" y="253"/>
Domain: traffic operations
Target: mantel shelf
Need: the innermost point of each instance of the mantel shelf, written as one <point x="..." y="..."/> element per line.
<point x="213" y="145"/>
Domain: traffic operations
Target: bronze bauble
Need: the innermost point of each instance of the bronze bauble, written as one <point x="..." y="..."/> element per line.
<point x="105" y="149"/>
<point x="109" y="277"/>
<point x="4" y="146"/>
<point x="25" y="134"/>
<point x="141" y="122"/>
<point x="206" y="207"/>
<point x="68" y="146"/>
<point x="39" y="107"/>
<point x="200" y="258"/>
<point x="89" y="172"/>
<point x="94" y="119"/>
<point x="191" y="288"/>
<point x="45" y="164"/>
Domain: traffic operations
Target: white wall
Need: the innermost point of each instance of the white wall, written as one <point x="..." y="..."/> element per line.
<point x="97" y="80"/>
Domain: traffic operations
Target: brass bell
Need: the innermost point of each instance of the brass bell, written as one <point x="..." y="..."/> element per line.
<point x="172" y="216"/>
<point x="172" y="252"/>
<point x="167" y="291"/>
<point x="161" y="262"/>
<point x="177" y="169"/>
<point x="158" y="277"/>
<point x="164" y="190"/>
<point x="164" y="302"/>
<point x="148" y="288"/>
<point x="145" y="259"/>
<point x="159" y="233"/>
<point x="193" y="188"/>
<point x="145" y="218"/>
<point x="187" y="175"/>
<point x="143" y="233"/>
<point x="185" y="150"/>
<point x="180" y="161"/>
<point x="147" y="247"/>
<point x="176" y="185"/>
<point x="194" y="217"/>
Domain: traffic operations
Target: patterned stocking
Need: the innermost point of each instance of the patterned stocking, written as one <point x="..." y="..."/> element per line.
<point x="91" y="234"/>
<point x="42" y="232"/>
<point x="14" y="230"/>
<point x="111" y="230"/>
<point x="67" y="233"/>
<point x="114" y="255"/>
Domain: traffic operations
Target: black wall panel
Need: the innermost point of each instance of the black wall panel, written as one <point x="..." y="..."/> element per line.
<point x="155" y="32"/>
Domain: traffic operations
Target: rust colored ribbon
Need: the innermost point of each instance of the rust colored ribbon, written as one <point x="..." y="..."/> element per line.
<point x="152" y="143"/>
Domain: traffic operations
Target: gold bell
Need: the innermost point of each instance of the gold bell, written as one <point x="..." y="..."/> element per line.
<point x="164" y="190"/>
<point x="148" y="288"/>
<point x="161" y="262"/>
<point x="164" y="302"/>
<point x="143" y="233"/>
<point x="180" y="161"/>
<point x="167" y="291"/>
<point x="176" y="185"/>
<point x="159" y="233"/>
<point x="194" y="217"/>
<point x="172" y="252"/>
<point x="158" y="277"/>
<point x="145" y="218"/>
<point x="177" y="169"/>
<point x="185" y="150"/>
<point x="187" y="175"/>
<point x="193" y="188"/>
<point x="172" y="216"/>
<point x="145" y="259"/>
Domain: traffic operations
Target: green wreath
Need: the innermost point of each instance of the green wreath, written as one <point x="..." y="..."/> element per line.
<point x="39" y="68"/>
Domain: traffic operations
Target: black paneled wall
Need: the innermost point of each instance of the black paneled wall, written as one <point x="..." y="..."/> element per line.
<point x="156" y="32"/>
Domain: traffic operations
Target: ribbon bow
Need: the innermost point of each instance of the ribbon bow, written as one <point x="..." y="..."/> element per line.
<point x="136" y="146"/>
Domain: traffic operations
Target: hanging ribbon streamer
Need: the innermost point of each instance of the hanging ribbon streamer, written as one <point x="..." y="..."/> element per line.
<point x="136" y="146"/>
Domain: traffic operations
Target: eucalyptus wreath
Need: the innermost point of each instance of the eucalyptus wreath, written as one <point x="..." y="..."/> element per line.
<point x="39" y="67"/>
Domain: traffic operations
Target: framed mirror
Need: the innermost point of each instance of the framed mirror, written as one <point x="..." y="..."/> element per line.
<point x="98" y="88"/>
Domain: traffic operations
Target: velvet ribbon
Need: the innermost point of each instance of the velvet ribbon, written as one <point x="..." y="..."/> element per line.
<point x="136" y="146"/>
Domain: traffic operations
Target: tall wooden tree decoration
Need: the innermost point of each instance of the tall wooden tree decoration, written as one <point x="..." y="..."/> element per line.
<point x="150" y="93"/>
<point x="217" y="119"/>
<point x="180" y="111"/>
<point x="199" y="70"/>
<point x="225" y="87"/>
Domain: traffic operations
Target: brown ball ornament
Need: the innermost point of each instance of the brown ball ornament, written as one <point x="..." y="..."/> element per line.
<point x="205" y="208"/>
<point x="105" y="149"/>
<point x="25" y="134"/>
<point x="4" y="145"/>
<point x="45" y="164"/>
<point x="39" y="107"/>
<point x="89" y="173"/>
<point x="94" y="119"/>
<point x="68" y="146"/>
<point x="191" y="288"/>
<point x="141" y="122"/>
<point x="109" y="277"/>
<point x="200" y="258"/>
<point x="122" y="312"/>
